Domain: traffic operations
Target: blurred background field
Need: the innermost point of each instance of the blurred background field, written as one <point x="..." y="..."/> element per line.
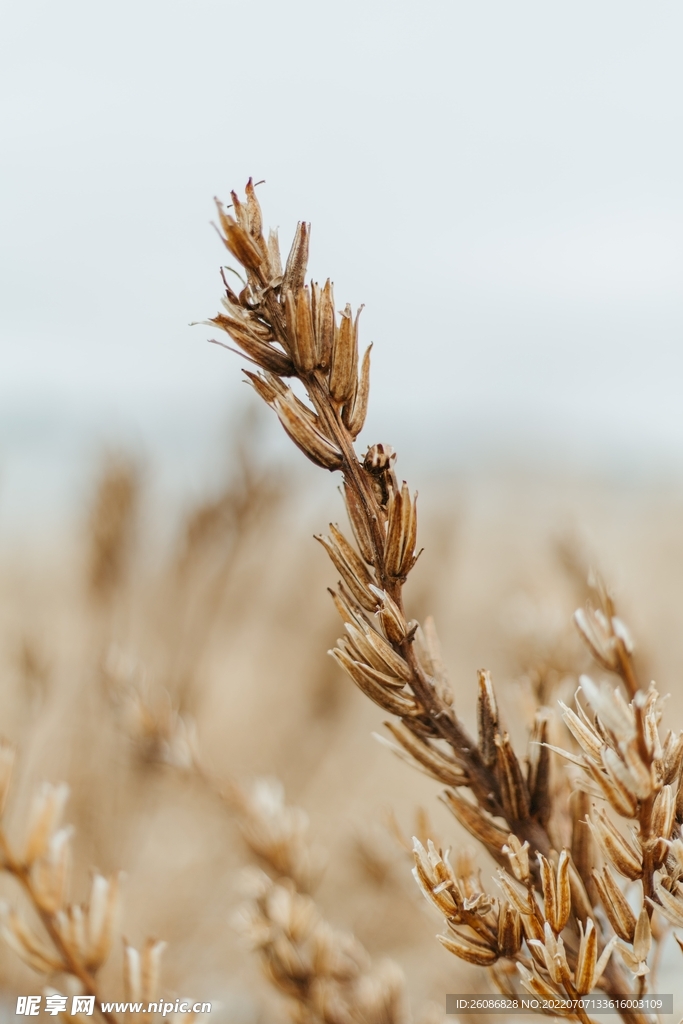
<point x="214" y="606"/>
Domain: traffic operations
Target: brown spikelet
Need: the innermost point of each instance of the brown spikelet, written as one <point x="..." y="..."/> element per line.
<point x="306" y="344"/>
<point x="353" y="571"/>
<point x="619" y="852"/>
<point x="582" y="847"/>
<point x="344" y="372"/>
<point x="477" y="822"/>
<point x="380" y="689"/>
<point x="238" y="242"/>
<point x="487" y="719"/>
<point x="358" y="523"/>
<point x="297" y="261"/>
<point x="468" y="949"/>
<point x="514" y="794"/>
<point x="615" y="904"/>
<point x="393" y="621"/>
<point x="354" y="414"/>
<point x="325" y="325"/>
<point x="260" y="353"/>
<point x="509" y="931"/>
<point x="307" y="438"/>
<point x="538" y="777"/>
<point x="430" y="759"/>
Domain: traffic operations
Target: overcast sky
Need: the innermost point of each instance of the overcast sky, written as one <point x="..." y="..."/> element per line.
<point x="500" y="183"/>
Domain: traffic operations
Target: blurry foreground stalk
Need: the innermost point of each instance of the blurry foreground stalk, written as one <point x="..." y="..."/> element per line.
<point x="77" y="938"/>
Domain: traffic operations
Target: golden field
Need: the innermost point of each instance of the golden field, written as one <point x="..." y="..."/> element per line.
<point x="117" y="646"/>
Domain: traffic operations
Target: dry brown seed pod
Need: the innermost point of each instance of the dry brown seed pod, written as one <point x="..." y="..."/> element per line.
<point x="254" y="218"/>
<point x="422" y="755"/>
<point x="359" y="568"/>
<point x="295" y="268"/>
<point x="671" y="906"/>
<point x="673" y="760"/>
<point x="623" y="802"/>
<point x="663" y="813"/>
<point x="387" y="659"/>
<point x="554" y="957"/>
<point x="587" y="959"/>
<point x="535" y="985"/>
<point x="309" y="440"/>
<point x="349" y="610"/>
<point x="391" y="700"/>
<point x="393" y="551"/>
<point x="354" y="572"/>
<point x="562" y="893"/>
<point x="538" y="774"/>
<point x="390" y="683"/>
<point x="360" y="648"/>
<point x="354" y="415"/>
<point x="617" y="850"/>
<point x="582" y="847"/>
<point x="487" y="719"/>
<point x="381" y="678"/>
<point x="587" y="738"/>
<point x="469" y="949"/>
<point x="270" y="388"/>
<point x="518" y="855"/>
<point x="259" y="352"/>
<point x="262" y="387"/>
<point x="509" y="931"/>
<point x="622" y="780"/>
<point x="532" y="926"/>
<point x="436" y="880"/>
<point x="359" y="523"/>
<point x="513" y="787"/>
<point x="431" y="650"/>
<point x="636" y="956"/>
<point x="477" y="822"/>
<point x="409" y="531"/>
<point x="325" y="326"/>
<point x="392" y="619"/>
<point x="556" y="892"/>
<point x="238" y="242"/>
<point x="344" y="371"/>
<point x="643" y="782"/>
<point x="615" y="904"/>
<point x="274" y="257"/>
<point x="306" y="346"/>
<point x="290" y="327"/>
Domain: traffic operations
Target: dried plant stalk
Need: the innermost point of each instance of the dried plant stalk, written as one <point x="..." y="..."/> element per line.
<point x="545" y="923"/>
<point x="78" y="938"/>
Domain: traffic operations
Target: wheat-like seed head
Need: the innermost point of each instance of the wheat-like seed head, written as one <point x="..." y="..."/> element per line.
<point x="547" y="922"/>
